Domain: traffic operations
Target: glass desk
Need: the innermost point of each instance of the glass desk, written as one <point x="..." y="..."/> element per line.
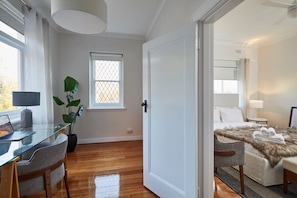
<point x="10" y="151"/>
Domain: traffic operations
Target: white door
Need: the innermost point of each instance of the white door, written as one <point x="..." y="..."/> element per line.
<point x="169" y="124"/>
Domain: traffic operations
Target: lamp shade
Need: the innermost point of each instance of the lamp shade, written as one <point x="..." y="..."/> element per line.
<point x="20" y="98"/>
<point x="257" y="104"/>
<point x="80" y="16"/>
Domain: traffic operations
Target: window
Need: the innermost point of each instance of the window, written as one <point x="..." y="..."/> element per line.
<point x="225" y="76"/>
<point x="106" y="81"/>
<point x="225" y="86"/>
<point x="11" y="64"/>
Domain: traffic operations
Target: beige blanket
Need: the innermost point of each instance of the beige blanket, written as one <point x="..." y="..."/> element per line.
<point x="273" y="152"/>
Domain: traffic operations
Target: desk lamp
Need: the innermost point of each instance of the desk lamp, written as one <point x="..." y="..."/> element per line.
<point x="21" y="98"/>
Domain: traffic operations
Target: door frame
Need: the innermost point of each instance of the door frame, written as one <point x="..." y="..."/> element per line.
<point x="206" y="16"/>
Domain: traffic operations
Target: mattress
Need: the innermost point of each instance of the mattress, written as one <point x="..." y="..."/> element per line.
<point x="256" y="166"/>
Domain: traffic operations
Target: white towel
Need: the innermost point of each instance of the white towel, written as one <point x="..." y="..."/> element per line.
<point x="269" y="135"/>
<point x="267" y="132"/>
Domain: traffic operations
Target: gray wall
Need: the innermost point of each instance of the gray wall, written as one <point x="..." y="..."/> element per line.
<point x="101" y="125"/>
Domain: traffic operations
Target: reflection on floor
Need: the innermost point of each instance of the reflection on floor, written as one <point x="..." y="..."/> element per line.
<point x="107" y="186"/>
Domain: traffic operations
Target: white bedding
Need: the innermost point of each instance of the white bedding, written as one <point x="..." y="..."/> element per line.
<point x="222" y="125"/>
<point x="256" y="166"/>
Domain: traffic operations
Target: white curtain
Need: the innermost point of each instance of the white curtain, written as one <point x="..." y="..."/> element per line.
<point x="37" y="65"/>
<point x="242" y="76"/>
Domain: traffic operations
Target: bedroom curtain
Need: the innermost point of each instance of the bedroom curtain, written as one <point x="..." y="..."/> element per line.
<point x="37" y="66"/>
<point x="242" y="76"/>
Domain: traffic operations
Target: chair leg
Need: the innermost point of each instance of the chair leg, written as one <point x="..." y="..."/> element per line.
<point x="47" y="183"/>
<point x="66" y="184"/>
<point x="241" y="179"/>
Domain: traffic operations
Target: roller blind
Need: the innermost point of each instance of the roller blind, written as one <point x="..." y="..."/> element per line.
<point x="10" y="14"/>
<point x="225" y="70"/>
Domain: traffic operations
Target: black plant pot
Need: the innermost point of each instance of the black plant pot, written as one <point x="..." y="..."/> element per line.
<point x="72" y="141"/>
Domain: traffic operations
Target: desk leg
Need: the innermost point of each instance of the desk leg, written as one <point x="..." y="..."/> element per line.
<point x="9" y="181"/>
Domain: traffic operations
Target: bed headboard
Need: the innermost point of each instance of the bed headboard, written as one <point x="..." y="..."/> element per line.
<point x="226" y="100"/>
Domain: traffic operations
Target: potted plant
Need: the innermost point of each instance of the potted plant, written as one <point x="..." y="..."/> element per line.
<point x="72" y="109"/>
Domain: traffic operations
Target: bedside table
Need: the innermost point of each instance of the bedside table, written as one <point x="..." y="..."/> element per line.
<point x="258" y="120"/>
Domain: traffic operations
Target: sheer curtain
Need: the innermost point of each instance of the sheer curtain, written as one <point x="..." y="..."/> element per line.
<point x="37" y="65"/>
<point x="242" y="76"/>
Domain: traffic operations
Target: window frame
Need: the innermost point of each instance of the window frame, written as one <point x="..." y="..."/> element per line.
<point x="112" y="57"/>
<point x="15" y="43"/>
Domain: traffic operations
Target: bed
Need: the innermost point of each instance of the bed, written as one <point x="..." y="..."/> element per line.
<point x="256" y="167"/>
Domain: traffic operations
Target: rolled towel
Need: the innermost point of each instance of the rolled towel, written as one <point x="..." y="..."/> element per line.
<point x="271" y="132"/>
<point x="263" y="129"/>
<point x="277" y="138"/>
<point x="257" y="133"/>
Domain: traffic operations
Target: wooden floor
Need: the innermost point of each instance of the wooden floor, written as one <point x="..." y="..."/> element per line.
<point x="117" y="170"/>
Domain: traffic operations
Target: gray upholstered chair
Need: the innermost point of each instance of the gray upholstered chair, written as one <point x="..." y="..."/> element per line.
<point x="44" y="168"/>
<point x="229" y="154"/>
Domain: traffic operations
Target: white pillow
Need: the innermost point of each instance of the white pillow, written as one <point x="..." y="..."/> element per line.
<point x="231" y="115"/>
<point x="216" y="115"/>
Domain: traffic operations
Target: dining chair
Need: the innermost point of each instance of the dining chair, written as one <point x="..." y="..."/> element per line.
<point x="229" y="154"/>
<point x="44" y="168"/>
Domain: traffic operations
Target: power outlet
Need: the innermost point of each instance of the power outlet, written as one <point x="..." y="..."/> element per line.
<point x="129" y="130"/>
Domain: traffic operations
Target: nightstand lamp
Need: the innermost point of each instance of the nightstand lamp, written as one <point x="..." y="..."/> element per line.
<point x="21" y="98"/>
<point x="254" y="105"/>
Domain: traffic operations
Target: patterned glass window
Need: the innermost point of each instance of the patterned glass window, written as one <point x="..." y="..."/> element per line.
<point x="106" y="80"/>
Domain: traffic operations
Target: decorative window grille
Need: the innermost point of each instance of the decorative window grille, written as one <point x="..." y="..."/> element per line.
<point x="106" y="80"/>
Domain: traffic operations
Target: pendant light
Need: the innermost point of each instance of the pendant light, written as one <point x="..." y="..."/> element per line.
<point x="80" y="16"/>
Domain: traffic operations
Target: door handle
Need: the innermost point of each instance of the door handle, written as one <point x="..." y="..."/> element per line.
<point x="144" y="103"/>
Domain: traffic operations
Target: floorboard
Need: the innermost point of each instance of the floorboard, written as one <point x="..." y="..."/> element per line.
<point x="117" y="168"/>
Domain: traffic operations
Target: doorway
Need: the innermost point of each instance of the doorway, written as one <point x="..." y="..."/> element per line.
<point x="213" y="11"/>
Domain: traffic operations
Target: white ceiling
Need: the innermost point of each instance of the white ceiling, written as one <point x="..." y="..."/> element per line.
<point x="127" y="17"/>
<point x="257" y="23"/>
<point x="253" y="22"/>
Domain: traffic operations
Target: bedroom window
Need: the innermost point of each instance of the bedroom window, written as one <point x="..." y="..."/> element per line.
<point x="106" y="81"/>
<point x="225" y="86"/>
<point x="11" y="63"/>
<point x="225" y="76"/>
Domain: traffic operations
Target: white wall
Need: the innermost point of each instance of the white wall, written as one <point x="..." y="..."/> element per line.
<point x="175" y="14"/>
<point x="101" y="125"/>
<point x="277" y="80"/>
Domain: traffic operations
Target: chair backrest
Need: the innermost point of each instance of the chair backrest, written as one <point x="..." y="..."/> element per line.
<point x="232" y="154"/>
<point x="47" y="155"/>
<point x="293" y="118"/>
<point x="42" y="159"/>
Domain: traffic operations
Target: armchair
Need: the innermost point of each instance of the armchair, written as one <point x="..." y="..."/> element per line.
<point x="229" y="154"/>
<point x="44" y="168"/>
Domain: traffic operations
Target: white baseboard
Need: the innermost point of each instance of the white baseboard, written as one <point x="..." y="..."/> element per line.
<point x="110" y="139"/>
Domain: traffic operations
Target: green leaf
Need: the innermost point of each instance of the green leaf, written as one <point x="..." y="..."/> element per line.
<point x="69" y="97"/>
<point x="73" y="103"/>
<point x="80" y="110"/>
<point x="69" y="118"/>
<point x="58" y="100"/>
<point x="70" y="84"/>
